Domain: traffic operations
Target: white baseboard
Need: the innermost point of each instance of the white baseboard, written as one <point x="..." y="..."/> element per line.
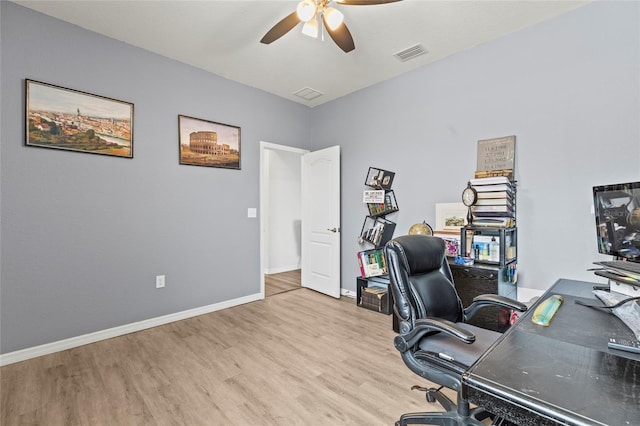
<point x="280" y="269"/>
<point x="73" y="342"/>
<point x="348" y="293"/>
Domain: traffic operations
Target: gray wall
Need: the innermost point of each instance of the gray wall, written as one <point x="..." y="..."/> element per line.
<point x="567" y="88"/>
<point x="83" y="236"/>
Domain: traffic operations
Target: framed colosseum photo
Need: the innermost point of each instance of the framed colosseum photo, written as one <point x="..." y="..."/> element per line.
<point x="207" y="143"/>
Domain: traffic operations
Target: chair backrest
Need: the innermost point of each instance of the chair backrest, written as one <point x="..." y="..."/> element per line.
<point x="421" y="279"/>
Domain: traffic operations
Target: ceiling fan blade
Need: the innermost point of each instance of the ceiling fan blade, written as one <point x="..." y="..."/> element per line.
<point x="281" y="28"/>
<point x="364" y="2"/>
<point x="341" y="36"/>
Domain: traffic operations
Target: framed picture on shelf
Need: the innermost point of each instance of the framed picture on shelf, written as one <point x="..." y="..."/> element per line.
<point x="450" y="216"/>
<point x="71" y="120"/>
<point x="207" y="143"/>
<point x="378" y="178"/>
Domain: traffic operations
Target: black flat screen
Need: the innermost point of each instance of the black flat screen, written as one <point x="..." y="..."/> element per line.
<point x="617" y="211"/>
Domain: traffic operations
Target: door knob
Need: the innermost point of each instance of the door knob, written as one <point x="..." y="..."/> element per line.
<point x="333" y="229"/>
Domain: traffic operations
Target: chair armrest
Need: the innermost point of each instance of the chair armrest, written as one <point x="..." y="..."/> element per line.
<point x="405" y="341"/>
<point x="485" y="300"/>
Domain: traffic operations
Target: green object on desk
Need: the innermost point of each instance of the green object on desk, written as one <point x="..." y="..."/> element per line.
<point x="546" y="310"/>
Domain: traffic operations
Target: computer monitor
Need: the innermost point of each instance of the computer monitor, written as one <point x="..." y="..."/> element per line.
<point x="617" y="211"/>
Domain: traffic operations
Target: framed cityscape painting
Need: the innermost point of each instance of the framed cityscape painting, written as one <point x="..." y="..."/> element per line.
<point x="71" y="120"/>
<point x="207" y="143"/>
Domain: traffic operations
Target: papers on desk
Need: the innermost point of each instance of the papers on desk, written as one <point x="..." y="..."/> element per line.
<point x="629" y="313"/>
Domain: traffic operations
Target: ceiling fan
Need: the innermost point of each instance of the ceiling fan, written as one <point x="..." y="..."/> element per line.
<point x="317" y="13"/>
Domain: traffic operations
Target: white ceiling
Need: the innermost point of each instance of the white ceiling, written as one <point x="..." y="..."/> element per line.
<point x="223" y="37"/>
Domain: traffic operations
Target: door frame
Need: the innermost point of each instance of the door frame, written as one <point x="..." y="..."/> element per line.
<point x="264" y="214"/>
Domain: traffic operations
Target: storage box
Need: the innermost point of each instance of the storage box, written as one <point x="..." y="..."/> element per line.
<point x="376" y="299"/>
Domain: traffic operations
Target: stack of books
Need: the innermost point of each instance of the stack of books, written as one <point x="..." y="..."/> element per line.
<point x="496" y="202"/>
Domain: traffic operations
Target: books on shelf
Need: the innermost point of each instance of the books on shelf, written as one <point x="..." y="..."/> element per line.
<point x="494" y="202"/>
<point x="506" y="209"/>
<point x="495" y="205"/>
<point x="377" y="230"/>
<point x="493" y="187"/>
<point x="490" y="180"/>
<point x="388" y="206"/>
<point x="372" y="263"/>
<point x="494" y="222"/>
<point x="495" y="194"/>
<point x="496" y="172"/>
<point x="493" y="184"/>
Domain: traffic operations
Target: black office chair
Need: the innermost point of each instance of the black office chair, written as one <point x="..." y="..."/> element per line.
<point x="434" y="340"/>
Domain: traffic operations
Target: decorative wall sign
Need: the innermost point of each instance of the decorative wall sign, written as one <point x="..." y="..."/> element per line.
<point x="496" y="154"/>
<point x="373" y="196"/>
<point x="207" y="143"/>
<point x="61" y="118"/>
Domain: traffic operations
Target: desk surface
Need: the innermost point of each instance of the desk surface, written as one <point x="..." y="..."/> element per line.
<point x="563" y="373"/>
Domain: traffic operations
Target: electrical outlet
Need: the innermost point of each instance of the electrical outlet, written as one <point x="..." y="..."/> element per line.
<point x="159" y="281"/>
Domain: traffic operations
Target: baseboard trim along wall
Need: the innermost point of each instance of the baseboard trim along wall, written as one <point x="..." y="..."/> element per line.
<point x="85" y="339"/>
<point x="280" y="269"/>
<point x="348" y="293"/>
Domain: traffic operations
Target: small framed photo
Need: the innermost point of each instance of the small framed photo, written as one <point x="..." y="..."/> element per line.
<point x="451" y="216"/>
<point x="207" y="143"/>
<point x="378" y="178"/>
<point x="67" y="119"/>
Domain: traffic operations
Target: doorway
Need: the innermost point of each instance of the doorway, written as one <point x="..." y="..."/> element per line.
<point x="282" y="282"/>
<point x="300" y="215"/>
<point x="280" y="207"/>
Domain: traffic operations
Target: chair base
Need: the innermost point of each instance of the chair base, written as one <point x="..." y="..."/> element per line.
<point x="445" y="418"/>
<point x="459" y="414"/>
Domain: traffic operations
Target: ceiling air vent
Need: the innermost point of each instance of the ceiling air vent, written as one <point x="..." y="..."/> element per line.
<point x="308" y="94"/>
<point x="410" y="52"/>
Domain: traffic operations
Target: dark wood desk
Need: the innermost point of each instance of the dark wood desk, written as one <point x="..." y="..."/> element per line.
<point x="563" y="373"/>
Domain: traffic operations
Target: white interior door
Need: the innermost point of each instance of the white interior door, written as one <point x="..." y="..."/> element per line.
<point x="321" y="221"/>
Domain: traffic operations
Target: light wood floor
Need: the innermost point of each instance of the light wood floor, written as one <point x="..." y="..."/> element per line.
<point x="297" y="358"/>
<point x="281" y="282"/>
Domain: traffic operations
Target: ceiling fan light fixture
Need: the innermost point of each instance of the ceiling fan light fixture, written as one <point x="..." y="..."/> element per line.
<point x="334" y="17"/>
<point x="306" y="10"/>
<point x="310" y="28"/>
